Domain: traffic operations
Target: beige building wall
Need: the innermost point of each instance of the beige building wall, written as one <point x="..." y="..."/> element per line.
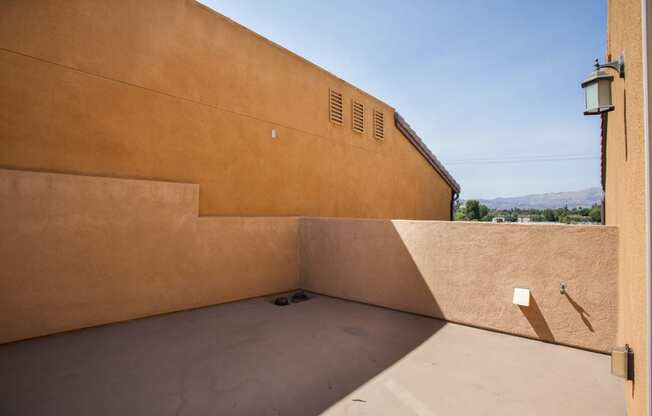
<point x="625" y="188"/>
<point x="466" y="272"/>
<point x="82" y="251"/>
<point x="170" y="90"/>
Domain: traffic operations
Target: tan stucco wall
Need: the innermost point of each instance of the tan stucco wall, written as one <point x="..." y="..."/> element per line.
<point x="81" y="251"/>
<point x="466" y="273"/>
<point x="170" y="90"/>
<point x="625" y="188"/>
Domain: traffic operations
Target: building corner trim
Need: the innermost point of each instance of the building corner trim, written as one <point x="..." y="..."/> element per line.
<point x="646" y="37"/>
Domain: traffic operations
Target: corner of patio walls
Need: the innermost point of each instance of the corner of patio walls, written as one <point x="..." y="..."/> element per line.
<point x="466" y="272"/>
<point x="80" y="251"/>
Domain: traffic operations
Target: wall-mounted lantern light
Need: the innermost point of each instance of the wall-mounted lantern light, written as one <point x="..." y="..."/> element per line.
<point x="597" y="87"/>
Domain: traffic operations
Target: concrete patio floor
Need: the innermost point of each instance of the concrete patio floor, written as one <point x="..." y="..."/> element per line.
<point x="323" y="355"/>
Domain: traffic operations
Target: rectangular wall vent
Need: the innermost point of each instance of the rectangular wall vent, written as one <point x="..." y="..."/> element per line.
<point x="336" y="109"/>
<point x="357" y="116"/>
<point x="379" y="125"/>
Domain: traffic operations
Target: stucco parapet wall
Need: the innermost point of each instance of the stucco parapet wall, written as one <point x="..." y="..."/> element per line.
<point x="466" y="273"/>
<point x="79" y="251"/>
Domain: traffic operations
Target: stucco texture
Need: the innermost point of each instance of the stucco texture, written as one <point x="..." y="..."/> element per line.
<point x="466" y="273"/>
<point x="82" y="251"/>
<point x="170" y="90"/>
<point x="625" y="189"/>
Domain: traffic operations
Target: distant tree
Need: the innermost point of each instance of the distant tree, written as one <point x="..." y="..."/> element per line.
<point x="595" y="213"/>
<point x="576" y="219"/>
<point x="484" y="211"/>
<point x="537" y="218"/>
<point x="459" y="211"/>
<point x="562" y="212"/>
<point x="550" y="215"/>
<point x="472" y="208"/>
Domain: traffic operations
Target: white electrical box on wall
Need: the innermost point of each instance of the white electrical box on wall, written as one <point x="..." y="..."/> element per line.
<point x="521" y="297"/>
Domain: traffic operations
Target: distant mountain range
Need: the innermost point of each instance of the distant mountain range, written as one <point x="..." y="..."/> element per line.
<point x="584" y="198"/>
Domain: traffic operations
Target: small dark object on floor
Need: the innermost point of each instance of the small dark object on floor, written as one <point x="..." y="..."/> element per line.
<point x="281" y="301"/>
<point x="299" y="296"/>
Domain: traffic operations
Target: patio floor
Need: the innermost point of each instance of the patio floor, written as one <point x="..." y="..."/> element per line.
<point x="322" y="355"/>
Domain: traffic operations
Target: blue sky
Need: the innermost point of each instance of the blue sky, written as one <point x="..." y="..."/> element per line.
<point x="485" y="83"/>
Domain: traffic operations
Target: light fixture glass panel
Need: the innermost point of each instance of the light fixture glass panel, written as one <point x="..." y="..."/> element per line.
<point x="604" y="96"/>
<point x="591" y="96"/>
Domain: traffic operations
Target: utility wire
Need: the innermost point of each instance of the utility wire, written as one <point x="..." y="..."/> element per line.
<point x="522" y="159"/>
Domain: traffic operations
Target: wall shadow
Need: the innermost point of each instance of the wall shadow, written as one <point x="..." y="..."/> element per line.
<point x="537" y="321"/>
<point x="584" y="315"/>
<point x="243" y="358"/>
<point x="250" y="357"/>
<point x="365" y="261"/>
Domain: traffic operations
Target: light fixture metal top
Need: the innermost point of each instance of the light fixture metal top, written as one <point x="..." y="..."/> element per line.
<point x="597" y="74"/>
<point x="618" y="65"/>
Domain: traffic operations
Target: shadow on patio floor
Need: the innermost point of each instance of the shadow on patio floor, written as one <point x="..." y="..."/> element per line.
<point x="243" y="358"/>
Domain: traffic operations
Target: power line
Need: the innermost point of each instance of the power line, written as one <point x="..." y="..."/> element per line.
<point x="524" y="159"/>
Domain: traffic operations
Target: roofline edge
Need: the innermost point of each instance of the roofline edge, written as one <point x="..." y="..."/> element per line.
<point x="416" y="141"/>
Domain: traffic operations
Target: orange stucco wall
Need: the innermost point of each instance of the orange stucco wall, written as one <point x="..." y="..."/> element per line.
<point x="625" y="188"/>
<point x="170" y="90"/>
<point x="80" y="251"/>
<point x="466" y="272"/>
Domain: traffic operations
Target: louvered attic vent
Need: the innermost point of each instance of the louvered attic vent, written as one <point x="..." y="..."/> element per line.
<point x="335" y="107"/>
<point x="357" y="116"/>
<point x="379" y="125"/>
